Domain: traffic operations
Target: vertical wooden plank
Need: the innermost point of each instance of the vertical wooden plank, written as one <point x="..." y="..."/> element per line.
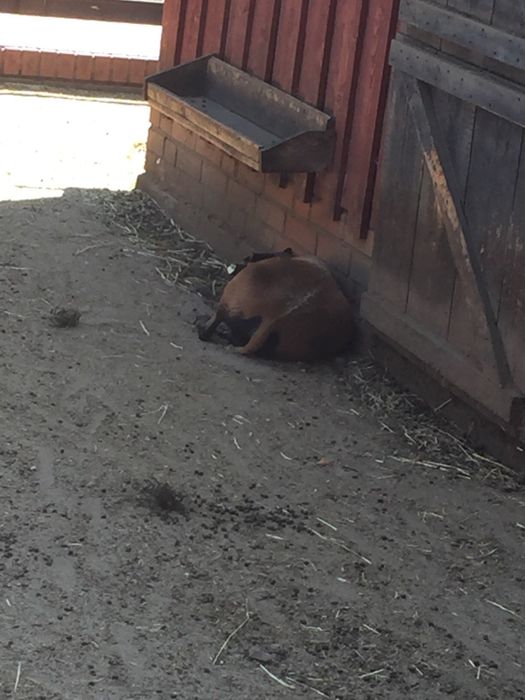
<point x="138" y="69"/>
<point x="12" y="61"/>
<point x="509" y="15"/>
<point x="84" y="67"/>
<point x="398" y="204"/>
<point x="48" y="64"/>
<point x="314" y="66"/>
<point x="512" y="307"/>
<point x="214" y="26"/>
<point x="289" y="43"/>
<point x="364" y="142"/>
<point x="119" y="70"/>
<point x="313" y="76"/>
<point x="193" y="33"/>
<point x="239" y="30"/>
<point x="30" y="64"/>
<point x="263" y="38"/>
<point x="350" y="21"/>
<point x="173" y="18"/>
<point x="479" y="9"/>
<point x="432" y="277"/>
<point x="66" y="66"/>
<point x="488" y="205"/>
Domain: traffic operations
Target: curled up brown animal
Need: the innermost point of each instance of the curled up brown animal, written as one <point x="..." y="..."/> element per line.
<point x="284" y="307"/>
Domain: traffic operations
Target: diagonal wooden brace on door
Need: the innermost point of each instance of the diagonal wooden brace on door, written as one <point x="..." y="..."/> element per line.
<point x="441" y="170"/>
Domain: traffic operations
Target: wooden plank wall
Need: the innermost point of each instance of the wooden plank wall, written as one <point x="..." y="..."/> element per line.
<point x="413" y="267"/>
<point x="134" y="11"/>
<point x="331" y="53"/>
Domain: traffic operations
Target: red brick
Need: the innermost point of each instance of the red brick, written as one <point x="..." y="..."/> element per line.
<point x="119" y="70"/>
<point x="166" y="124"/>
<point x="228" y="164"/>
<point x="301" y="208"/>
<point x="322" y="214"/>
<point x="189" y="162"/>
<point x="301" y="232"/>
<point x="271" y="214"/>
<point x="151" y="164"/>
<point x="66" y="66"/>
<point x="237" y="221"/>
<point x="208" y="151"/>
<point x="2" y="53"/>
<point x="249" y="178"/>
<point x="12" y="62"/>
<point x="187" y="189"/>
<point x="214" y="178"/>
<point x="259" y="236"/>
<point x="364" y="245"/>
<point x="334" y="251"/>
<point x="182" y="135"/>
<point x="170" y="153"/>
<point x="101" y="69"/>
<point x="215" y="206"/>
<point x="84" y="67"/>
<point x="48" y="64"/>
<point x="30" y="64"/>
<point x="273" y="191"/>
<point x="156" y="142"/>
<point x="241" y="197"/>
<point x="154" y="118"/>
<point x="282" y="242"/>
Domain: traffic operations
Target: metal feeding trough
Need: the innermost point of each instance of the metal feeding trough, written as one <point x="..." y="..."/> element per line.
<point x="252" y="121"/>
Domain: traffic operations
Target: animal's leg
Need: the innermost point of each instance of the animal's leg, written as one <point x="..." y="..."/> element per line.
<point x="206" y="330"/>
<point x="257" y="341"/>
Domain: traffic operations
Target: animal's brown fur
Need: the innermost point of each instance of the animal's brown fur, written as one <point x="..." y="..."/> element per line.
<point x="284" y="307"/>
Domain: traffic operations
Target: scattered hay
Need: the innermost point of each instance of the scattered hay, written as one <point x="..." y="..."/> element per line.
<point x="427" y="434"/>
<point x="181" y="259"/>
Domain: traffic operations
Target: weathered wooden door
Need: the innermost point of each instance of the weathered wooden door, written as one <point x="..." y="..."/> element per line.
<point x="448" y="276"/>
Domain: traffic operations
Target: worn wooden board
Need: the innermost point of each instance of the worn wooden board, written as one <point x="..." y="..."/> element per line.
<point x="432" y="273"/>
<point x="479" y="9"/>
<point x="193" y="35"/>
<point x="465" y="31"/>
<point x="398" y="206"/>
<point x="510" y="16"/>
<point x="261" y="50"/>
<point x="239" y="31"/>
<point x="130" y="11"/>
<point x="173" y="23"/>
<point x="370" y="98"/>
<point x="460" y="79"/>
<point x="488" y="206"/>
<point x="512" y="306"/>
<point x="289" y="45"/>
<point x="215" y="26"/>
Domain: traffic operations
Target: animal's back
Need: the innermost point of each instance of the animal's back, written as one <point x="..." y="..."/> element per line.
<point x="303" y="313"/>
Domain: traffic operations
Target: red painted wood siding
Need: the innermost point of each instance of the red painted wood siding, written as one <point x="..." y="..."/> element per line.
<point x="331" y="53"/>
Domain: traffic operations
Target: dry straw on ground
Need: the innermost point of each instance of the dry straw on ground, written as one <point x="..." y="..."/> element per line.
<point x="183" y="260"/>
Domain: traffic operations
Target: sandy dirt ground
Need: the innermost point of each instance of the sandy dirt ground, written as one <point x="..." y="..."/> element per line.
<point x="317" y="536"/>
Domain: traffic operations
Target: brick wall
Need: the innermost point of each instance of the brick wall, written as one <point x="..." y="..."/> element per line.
<point x="238" y="210"/>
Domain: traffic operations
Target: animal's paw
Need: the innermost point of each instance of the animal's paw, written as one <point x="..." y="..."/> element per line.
<point x="201" y="324"/>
